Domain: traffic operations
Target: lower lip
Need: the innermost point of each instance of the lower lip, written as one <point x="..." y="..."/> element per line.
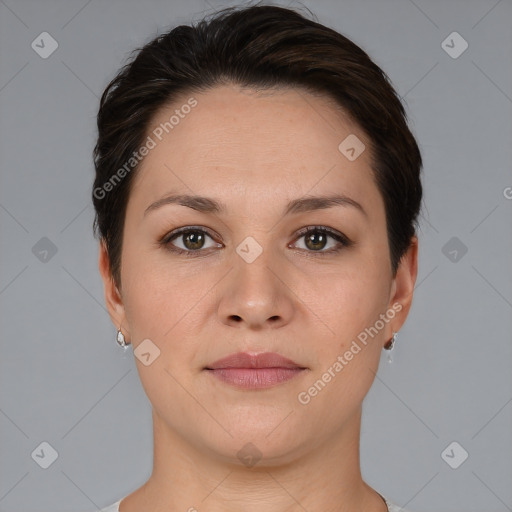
<point x="255" y="378"/>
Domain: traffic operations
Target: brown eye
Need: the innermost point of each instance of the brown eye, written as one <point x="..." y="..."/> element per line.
<point x="191" y="240"/>
<point x="317" y="238"/>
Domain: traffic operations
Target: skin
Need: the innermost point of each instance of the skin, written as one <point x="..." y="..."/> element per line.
<point x="255" y="152"/>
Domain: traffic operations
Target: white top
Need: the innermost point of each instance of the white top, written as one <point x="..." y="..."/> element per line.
<point x="391" y="506"/>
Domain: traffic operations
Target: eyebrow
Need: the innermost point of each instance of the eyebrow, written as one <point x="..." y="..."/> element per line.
<point x="300" y="205"/>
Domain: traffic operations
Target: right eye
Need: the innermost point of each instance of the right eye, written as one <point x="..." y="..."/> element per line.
<point x="191" y="238"/>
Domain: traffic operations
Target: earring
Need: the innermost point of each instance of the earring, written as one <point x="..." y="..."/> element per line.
<point x="390" y="345"/>
<point x="120" y="339"/>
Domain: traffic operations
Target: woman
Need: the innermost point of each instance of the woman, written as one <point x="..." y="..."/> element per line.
<point x="257" y="191"/>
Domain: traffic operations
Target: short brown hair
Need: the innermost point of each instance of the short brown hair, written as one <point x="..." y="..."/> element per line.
<point x="260" y="46"/>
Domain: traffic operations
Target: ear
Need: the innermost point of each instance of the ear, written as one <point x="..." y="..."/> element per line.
<point x="113" y="297"/>
<point x="402" y="287"/>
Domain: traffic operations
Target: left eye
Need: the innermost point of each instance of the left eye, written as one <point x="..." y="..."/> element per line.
<point x="316" y="240"/>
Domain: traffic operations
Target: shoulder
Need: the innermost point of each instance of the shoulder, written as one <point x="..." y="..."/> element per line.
<point x="112" y="508"/>
<point x="392" y="507"/>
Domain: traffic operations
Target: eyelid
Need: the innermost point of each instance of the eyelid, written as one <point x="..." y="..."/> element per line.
<point x="342" y="239"/>
<point x="166" y="239"/>
<point x="324" y="229"/>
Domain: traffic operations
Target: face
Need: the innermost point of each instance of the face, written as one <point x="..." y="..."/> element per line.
<point x="268" y="271"/>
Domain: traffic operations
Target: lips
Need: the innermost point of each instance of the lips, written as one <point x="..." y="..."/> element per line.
<point x="246" y="360"/>
<point x="254" y="372"/>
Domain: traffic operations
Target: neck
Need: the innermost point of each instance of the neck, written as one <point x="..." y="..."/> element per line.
<point x="326" y="478"/>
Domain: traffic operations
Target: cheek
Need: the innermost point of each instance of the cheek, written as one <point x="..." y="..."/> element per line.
<point x="358" y="292"/>
<point x="150" y="297"/>
<point x="167" y="306"/>
<point x="356" y="299"/>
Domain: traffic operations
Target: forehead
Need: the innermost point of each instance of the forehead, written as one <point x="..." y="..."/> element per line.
<point x="253" y="144"/>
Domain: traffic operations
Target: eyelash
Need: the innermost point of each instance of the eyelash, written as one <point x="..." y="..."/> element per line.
<point x="339" y="237"/>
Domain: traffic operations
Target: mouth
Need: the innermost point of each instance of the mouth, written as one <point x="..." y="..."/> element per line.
<point x="259" y="371"/>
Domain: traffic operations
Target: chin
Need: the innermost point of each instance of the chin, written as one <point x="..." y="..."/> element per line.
<point x="264" y="442"/>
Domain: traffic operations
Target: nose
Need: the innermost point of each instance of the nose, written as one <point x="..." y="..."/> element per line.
<point x="256" y="296"/>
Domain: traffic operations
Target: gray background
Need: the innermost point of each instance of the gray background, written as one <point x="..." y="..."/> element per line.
<point x="65" y="381"/>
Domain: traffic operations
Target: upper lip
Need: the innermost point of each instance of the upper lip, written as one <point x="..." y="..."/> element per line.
<point x="246" y="360"/>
